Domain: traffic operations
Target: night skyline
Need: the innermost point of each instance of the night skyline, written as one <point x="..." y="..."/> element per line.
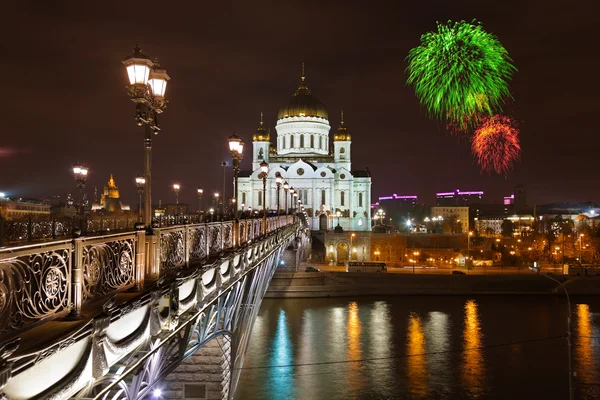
<point x="65" y="99"/>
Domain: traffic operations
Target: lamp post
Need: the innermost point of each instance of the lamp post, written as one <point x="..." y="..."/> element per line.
<point x="278" y="183"/>
<point x="286" y="187"/>
<point x="243" y="205"/>
<point x="200" y="194"/>
<point x="139" y="184"/>
<point x="264" y="171"/>
<point x="80" y="173"/>
<point x="568" y="337"/>
<point x="468" y="250"/>
<point x="338" y="214"/>
<point x="292" y="194"/>
<point x="176" y="188"/>
<point x="352" y="236"/>
<point x="212" y="215"/>
<point x="415" y="255"/>
<point x="216" y="201"/>
<point x="147" y="86"/>
<point x="224" y="165"/>
<point x="236" y="149"/>
<point x="580" y="244"/>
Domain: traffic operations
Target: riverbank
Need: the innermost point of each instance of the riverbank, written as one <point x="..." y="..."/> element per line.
<point x="341" y="284"/>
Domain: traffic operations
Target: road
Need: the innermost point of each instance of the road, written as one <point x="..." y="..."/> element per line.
<point x="496" y="270"/>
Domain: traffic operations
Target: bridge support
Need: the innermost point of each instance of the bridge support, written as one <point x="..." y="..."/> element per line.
<point x="205" y="375"/>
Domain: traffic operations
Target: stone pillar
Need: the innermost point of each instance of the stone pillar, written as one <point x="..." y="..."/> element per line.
<point x="205" y="375"/>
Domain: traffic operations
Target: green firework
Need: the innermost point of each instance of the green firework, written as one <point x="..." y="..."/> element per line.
<point x="460" y="72"/>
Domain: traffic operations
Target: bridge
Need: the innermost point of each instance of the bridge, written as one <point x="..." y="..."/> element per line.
<point x="163" y="313"/>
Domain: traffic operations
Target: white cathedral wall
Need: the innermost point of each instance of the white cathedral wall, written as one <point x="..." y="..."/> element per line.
<point x="306" y="127"/>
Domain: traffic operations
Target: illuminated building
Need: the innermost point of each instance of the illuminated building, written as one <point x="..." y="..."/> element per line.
<point x="110" y="200"/>
<point x="458" y="214"/>
<point x="22" y="208"/>
<point x="302" y="156"/>
<point x="458" y="198"/>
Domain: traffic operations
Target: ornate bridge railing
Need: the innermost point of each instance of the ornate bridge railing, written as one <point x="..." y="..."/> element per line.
<point x="124" y="351"/>
<point x="49" y="280"/>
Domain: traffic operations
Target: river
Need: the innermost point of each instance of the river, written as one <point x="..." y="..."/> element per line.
<point x="421" y="347"/>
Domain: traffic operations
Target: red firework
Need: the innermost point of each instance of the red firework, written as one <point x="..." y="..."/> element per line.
<point x="496" y="144"/>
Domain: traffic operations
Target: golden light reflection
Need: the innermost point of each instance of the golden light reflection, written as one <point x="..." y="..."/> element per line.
<point x="354" y="348"/>
<point x="585" y="352"/>
<point x="416" y="364"/>
<point x="473" y="371"/>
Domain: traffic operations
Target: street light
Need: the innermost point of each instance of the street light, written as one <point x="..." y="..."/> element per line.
<point x="468" y="250"/>
<point x="216" y="200"/>
<point x="140" y="182"/>
<point x="176" y="188"/>
<point x="236" y="149"/>
<point x="415" y="254"/>
<point x="264" y="171"/>
<point x="286" y="187"/>
<point x="278" y="181"/>
<point x="147" y="86"/>
<point x="352" y="236"/>
<point x="292" y="194"/>
<point x="200" y="194"/>
<point x="568" y="337"/>
<point x="212" y="214"/>
<point x="80" y="173"/>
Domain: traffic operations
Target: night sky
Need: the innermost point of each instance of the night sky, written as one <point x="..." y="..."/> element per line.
<point x="63" y="96"/>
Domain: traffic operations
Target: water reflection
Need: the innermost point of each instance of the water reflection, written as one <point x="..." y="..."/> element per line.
<point x="281" y="380"/>
<point x="437" y="333"/>
<point x="353" y="327"/>
<point x="380" y="345"/>
<point x="585" y="346"/>
<point x="416" y="362"/>
<point x="473" y="371"/>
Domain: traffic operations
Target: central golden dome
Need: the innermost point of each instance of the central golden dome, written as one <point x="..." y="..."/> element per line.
<point x="303" y="104"/>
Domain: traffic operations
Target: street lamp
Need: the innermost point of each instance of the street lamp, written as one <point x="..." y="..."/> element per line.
<point x="212" y="214"/>
<point x="568" y="336"/>
<point x="80" y="173"/>
<point x="224" y="165"/>
<point x="352" y="236"/>
<point x="415" y="254"/>
<point x="140" y="182"/>
<point x="338" y="214"/>
<point x="264" y="171"/>
<point x="236" y="149"/>
<point x="200" y="194"/>
<point x="468" y="250"/>
<point x="286" y="187"/>
<point x="216" y="201"/>
<point x="292" y="194"/>
<point x="147" y="86"/>
<point x="176" y="188"/>
<point x="278" y="181"/>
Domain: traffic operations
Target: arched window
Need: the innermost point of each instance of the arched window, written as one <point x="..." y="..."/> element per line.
<point x="260" y="198"/>
<point x="322" y="197"/>
<point x="312" y="142"/>
<point x="260" y="154"/>
<point x="301" y="141"/>
<point x="292" y="142"/>
<point x="320" y="142"/>
<point x="244" y="197"/>
<point x="342" y="198"/>
<point x="360" y="200"/>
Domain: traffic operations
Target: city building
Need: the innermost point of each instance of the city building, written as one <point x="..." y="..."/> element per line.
<point x="398" y="209"/>
<point x="450" y="215"/>
<point x="458" y="198"/>
<point x="330" y="190"/>
<point x="22" y="208"/>
<point x="110" y="199"/>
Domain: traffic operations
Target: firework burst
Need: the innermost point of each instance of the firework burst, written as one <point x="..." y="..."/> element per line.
<point x="460" y="73"/>
<point x="496" y="144"/>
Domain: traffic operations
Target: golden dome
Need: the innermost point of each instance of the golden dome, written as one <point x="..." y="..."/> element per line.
<point x="261" y="134"/>
<point x="303" y="103"/>
<point x="341" y="134"/>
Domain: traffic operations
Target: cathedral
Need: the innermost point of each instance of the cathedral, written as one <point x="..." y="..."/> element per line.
<point x="331" y="191"/>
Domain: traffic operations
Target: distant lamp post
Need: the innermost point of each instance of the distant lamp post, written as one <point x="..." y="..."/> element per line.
<point x="264" y="171"/>
<point x="278" y="181"/>
<point x="292" y="194"/>
<point x="338" y="214"/>
<point x="468" y="250"/>
<point x="80" y="173"/>
<point x="140" y="182"/>
<point x="352" y="236"/>
<point x="200" y="194"/>
<point x="286" y="187"/>
<point x="415" y="255"/>
<point x="212" y="214"/>
<point x="147" y="86"/>
<point x="236" y="149"/>
<point x="176" y="188"/>
<point x="216" y="200"/>
<point x="224" y="165"/>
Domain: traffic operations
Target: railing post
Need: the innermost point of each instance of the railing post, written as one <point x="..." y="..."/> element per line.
<point x="153" y="255"/>
<point x="140" y="259"/>
<point x="77" y="278"/>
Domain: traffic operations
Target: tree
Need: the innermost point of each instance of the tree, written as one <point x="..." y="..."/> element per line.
<point x="489" y="231"/>
<point x="507" y="228"/>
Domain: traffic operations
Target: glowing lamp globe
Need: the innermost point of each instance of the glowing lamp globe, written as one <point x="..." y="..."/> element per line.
<point x="264" y="167"/>
<point x="138" y="67"/>
<point x="234" y="143"/>
<point x="158" y="81"/>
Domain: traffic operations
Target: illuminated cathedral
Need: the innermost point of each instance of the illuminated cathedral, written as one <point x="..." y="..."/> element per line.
<point x="331" y="191"/>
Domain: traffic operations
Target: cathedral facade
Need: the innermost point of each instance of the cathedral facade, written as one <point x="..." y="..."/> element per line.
<point x="331" y="191"/>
